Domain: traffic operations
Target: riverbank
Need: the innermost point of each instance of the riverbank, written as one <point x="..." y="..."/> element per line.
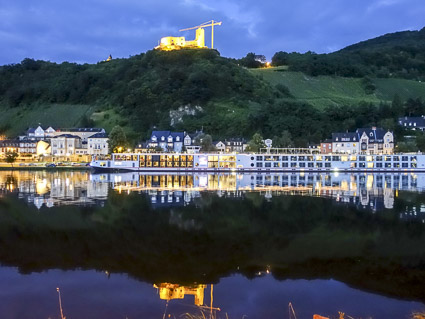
<point x="35" y="167"/>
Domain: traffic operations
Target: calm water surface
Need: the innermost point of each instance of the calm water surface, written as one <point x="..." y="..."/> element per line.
<point x="141" y="246"/>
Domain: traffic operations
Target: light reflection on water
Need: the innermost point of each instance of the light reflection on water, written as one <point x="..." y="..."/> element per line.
<point x="46" y="188"/>
<point x="90" y="294"/>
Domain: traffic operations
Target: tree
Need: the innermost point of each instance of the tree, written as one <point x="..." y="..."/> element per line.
<point x="117" y="140"/>
<point x="11" y="157"/>
<point x="285" y="140"/>
<point x="397" y="106"/>
<point x="256" y="143"/>
<point x="205" y="141"/>
<point x="420" y="142"/>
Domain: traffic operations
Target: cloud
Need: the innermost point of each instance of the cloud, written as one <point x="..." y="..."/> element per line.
<point x="90" y="30"/>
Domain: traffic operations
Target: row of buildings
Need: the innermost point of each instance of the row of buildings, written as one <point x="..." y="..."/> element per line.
<point x="362" y="141"/>
<point x="178" y="142"/>
<point x="58" y="142"/>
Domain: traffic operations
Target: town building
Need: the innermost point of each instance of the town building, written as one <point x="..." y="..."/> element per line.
<point x="170" y="141"/>
<point x="375" y="141"/>
<point x="9" y="146"/>
<point x="235" y="145"/>
<point x="326" y="147"/>
<point x="364" y="141"/>
<point x="220" y="146"/>
<point x="98" y="144"/>
<point x="345" y="143"/>
<point x="412" y="123"/>
<point x="65" y="145"/>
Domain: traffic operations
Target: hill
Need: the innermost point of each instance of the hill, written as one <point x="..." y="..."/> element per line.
<point x="323" y="90"/>
<point x="396" y="55"/>
<point x="187" y="89"/>
<point x="193" y="89"/>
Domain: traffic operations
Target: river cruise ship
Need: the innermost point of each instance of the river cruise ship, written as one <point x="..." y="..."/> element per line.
<point x="259" y="162"/>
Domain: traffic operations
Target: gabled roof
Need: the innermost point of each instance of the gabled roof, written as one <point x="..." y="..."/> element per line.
<point x="375" y="135"/>
<point x="345" y="137"/>
<point x="31" y="130"/>
<point x="159" y="134"/>
<point x="82" y="129"/>
<point x="67" y="136"/>
<point x="178" y="134"/>
<point x="99" y="135"/>
<point x="418" y="120"/>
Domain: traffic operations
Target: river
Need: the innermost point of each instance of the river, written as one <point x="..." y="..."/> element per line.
<point x="130" y="245"/>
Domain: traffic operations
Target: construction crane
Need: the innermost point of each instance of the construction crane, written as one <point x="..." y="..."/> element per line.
<point x="211" y="24"/>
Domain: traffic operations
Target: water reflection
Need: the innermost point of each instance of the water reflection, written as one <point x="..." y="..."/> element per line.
<point x="181" y="232"/>
<point x="372" y="191"/>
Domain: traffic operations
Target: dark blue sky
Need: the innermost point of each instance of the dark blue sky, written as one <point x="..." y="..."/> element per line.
<point x="90" y="30"/>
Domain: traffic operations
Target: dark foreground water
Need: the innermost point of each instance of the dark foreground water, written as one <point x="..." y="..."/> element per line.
<point x="138" y="246"/>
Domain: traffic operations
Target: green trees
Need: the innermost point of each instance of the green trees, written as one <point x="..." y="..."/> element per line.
<point x="256" y="143"/>
<point x="11" y="157"/>
<point x="205" y="141"/>
<point x="117" y="140"/>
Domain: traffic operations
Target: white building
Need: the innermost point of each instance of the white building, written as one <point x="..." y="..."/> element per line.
<point x="65" y="145"/>
<point x="98" y="144"/>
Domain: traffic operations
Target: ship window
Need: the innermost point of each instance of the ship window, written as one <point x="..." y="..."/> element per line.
<point x="413" y="159"/>
<point x="284" y="164"/>
<point x="387" y="165"/>
<point x="405" y="165"/>
<point x="268" y="164"/>
<point x="285" y="158"/>
<point x="319" y="165"/>
<point x="301" y="158"/>
<point x="327" y="164"/>
<point x="276" y="164"/>
<point x="259" y="164"/>
<point x="293" y="158"/>
<point x="293" y="164"/>
<point x="362" y="165"/>
<point x="404" y="158"/>
<point x="259" y="158"/>
<point x="378" y="158"/>
<point x="302" y="164"/>
<point x="413" y="165"/>
<point x="379" y="165"/>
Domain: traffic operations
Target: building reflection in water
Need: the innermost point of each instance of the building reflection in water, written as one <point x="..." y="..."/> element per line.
<point x="49" y="188"/>
<point x="167" y="291"/>
<point x="54" y="188"/>
<point x="374" y="191"/>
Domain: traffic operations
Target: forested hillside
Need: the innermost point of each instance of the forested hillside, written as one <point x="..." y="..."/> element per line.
<point x="194" y="89"/>
<point x="397" y="55"/>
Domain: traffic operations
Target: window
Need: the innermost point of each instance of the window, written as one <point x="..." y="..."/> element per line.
<point x="284" y="158"/>
<point x="302" y="164"/>
<point x="405" y="165"/>
<point x="404" y="158"/>
<point x="319" y="164"/>
<point x="387" y="165"/>
<point x="378" y="165"/>
<point x="276" y="165"/>
<point x="259" y="164"/>
<point x="293" y="164"/>
<point x="310" y="164"/>
<point x="268" y="164"/>
<point x="284" y="164"/>
<point x="327" y="164"/>
<point x="259" y="158"/>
